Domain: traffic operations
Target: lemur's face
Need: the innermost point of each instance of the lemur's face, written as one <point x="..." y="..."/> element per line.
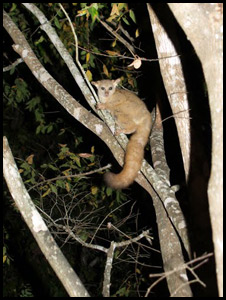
<point x="106" y="88"/>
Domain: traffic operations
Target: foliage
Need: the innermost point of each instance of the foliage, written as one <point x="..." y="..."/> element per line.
<point x="26" y="291"/>
<point x="6" y="257"/>
<point x="104" y="60"/>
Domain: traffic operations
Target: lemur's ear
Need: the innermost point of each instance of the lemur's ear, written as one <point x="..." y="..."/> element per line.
<point x="96" y="83"/>
<point x="116" y="82"/>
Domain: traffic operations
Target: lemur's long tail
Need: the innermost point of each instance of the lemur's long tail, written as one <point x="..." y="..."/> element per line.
<point x="133" y="158"/>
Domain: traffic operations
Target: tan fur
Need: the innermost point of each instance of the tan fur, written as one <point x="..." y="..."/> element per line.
<point x="131" y="116"/>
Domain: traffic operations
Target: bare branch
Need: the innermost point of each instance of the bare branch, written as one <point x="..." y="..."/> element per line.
<point x="164" y="275"/>
<point x="13" y="65"/>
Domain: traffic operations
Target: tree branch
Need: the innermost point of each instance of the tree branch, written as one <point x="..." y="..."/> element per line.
<point x="34" y="221"/>
<point x="174" y="85"/>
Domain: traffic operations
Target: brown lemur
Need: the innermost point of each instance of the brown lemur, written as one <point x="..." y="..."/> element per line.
<point x="131" y="116"/>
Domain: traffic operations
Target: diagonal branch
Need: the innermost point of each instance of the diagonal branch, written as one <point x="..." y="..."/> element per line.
<point x="34" y="221"/>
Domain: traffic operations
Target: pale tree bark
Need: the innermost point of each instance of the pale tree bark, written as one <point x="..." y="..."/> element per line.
<point x="203" y="25"/>
<point x="173" y="78"/>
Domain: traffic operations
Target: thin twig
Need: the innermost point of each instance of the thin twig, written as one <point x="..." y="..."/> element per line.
<point x="126" y="57"/>
<point x="76" y="55"/>
<point x="70" y="176"/>
<point x="121" y="39"/>
<point x="13" y="65"/>
<point x="180" y="268"/>
<point x="174" y="115"/>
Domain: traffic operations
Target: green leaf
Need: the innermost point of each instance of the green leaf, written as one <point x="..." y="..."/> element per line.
<point x="33" y="103"/>
<point x="38" y="129"/>
<point x="12" y="70"/>
<point x="46" y="193"/>
<point x="50" y="128"/>
<point x="14" y="6"/>
<point x="57" y="23"/>
<point x="4" y="258"/>
<point x="94" y="190"/>
<point x="94" y="13"/>
<point x="132" y="15"/>
<point x="40" y="40"/>
<point x="53" y="188"/>
<point x="84" y="236"/>
<point x="122" y="6"/>
<point x="25" y="166"/>
<point x="76" y="159"/>
<point x="126" y="21"/>
<point x="39" y="116"/>
<point x="60" y="183"/>
<point x="43" y="166"/>
<point x="43" y="129"/>
<point x="52" y="167"/>
<point x="109" y="191"/>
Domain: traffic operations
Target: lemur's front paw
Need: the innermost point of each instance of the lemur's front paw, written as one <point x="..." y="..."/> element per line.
<point x="100" y="106"/>
<point x="118" y="131"/>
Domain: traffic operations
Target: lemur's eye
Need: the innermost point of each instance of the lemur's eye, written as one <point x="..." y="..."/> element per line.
<point x="110" y="88"/>
<point x="102" y="88"/>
